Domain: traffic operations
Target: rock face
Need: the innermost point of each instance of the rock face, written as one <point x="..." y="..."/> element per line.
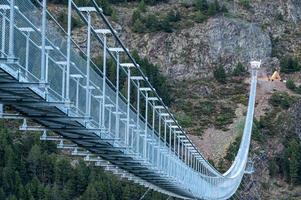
<point x="194" y="52"/>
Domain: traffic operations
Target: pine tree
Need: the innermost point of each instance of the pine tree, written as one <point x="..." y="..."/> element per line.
<point x="34" y="159"/>
<point x="90" y="193"/>
<point x="294" y="155"/>
<point x="142" y="6"/>
<point x="220" y="74"/>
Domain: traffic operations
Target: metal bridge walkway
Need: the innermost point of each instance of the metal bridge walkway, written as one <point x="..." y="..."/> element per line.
<point x="49" y="78"/>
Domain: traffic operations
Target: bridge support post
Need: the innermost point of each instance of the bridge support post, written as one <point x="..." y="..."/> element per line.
<point x="153" y="99"/>
<point x="138" y="119"/>
<point x="87" y="10"/>
<point x="128" y="107"/>
<point x="43" y="31"/>
<point x="127" y="133"/>
<point x="159" y="108"/>
<point x="159" y="141"/>
<point x="47" y="49"/>
<point x="146" y="125"/>
<point x="146" y="121"/>
<point x="137" y="79"/>
<point x="104" y="77"/>
<point x="104" y="32"/>
<point x="88" y="65"/>
<point x="117" y="97"/>
<point x="68" y="50"/>
<point x="117" y="51"/>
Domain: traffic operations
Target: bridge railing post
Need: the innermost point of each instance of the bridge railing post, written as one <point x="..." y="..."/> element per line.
<point x="153" y="105"/>
<point x="27" y="31"/>
<point x="159" y="108"/>
<point x="43" y="47"/>
<point x="117" y="51"/>
<point x="69" y="24"/>
<point x="104" y="33"/>
<point x="146" y="90"/>
<point x="137" y="79"/>
<point x="11" y="54"/>
<point x="127" y="133"/>
<point x="88" y="11"/>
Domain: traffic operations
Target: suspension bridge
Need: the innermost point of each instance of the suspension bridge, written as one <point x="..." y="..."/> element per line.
<point x="48" y="78"/>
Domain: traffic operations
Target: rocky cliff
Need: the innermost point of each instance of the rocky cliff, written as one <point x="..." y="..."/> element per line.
<point x="246" y="32"/>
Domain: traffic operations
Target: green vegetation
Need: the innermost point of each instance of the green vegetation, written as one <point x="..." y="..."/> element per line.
<point x="290" y="84"/>
<point x="219" y="74"/>
<point x="225" y="117"/>
<point x="233" y="149"/>
<point x="144" y="22"/>
<point x="184" y="119"/>
<point x="287" y="164"/>
<point x="63" y="20"/>
<point x="33" y="169"/>
<point x="289" y="65"/>
<point x="256" y="132"/>
<point x="245" y="3"/>
<point x="205" y="10"/>
<point x="158" y="81"/>
<point x="151" y="71"/>
<point x="104" y="4"/>
<point x="279" y="17"/>
<point x="293" y="155"/>
<point x="239" y="70"/>
<point x="199" y="17"/>
<point x="282" y="99"/>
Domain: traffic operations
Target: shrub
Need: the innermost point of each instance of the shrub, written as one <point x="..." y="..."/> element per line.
<point x="279" y="17"/>
<point x="293" y="160"/>
<point x="239" y="69"/>
<point x="220" y="74"/>
<point x="298" y="89"/>
<point x="245" y="3"/>
<point x="173" y="16"/>
<point x="152" y="23"/>
<point x="201" y="5"/>
<point x="200" y="17"/>
<point x="63" y="20"/>
<point x="290" y="84"/>
<point x="142" y="6"/>
<point x="282" y="99"/>
<point x="273" y="168"/>
<point x="233" y="149"/>
<point x="106" y="7"/>
<point x="214" y="8"/>
<point x="289" y="65"/>
<point x="184" y="119"/>
<point x="256" y="133"/>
